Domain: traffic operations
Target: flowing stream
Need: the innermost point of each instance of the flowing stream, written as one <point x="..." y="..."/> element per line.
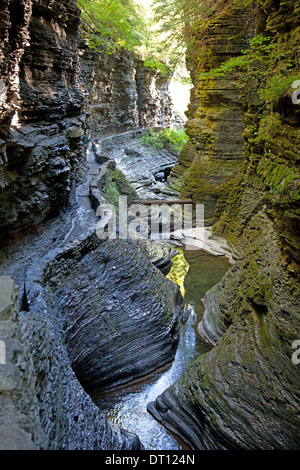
<point x="195" y="271"/>
<point x="127" y="406"/>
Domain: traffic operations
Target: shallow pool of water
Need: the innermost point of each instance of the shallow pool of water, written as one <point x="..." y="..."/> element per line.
<point x="127" y="406"/>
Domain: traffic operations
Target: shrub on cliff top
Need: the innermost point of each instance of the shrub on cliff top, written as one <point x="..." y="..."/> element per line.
<point x="171" y="138"/>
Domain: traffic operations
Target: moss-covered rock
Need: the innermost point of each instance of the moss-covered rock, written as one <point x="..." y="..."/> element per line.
<point x="244" y="393"/>
<point x="214" y="154"/>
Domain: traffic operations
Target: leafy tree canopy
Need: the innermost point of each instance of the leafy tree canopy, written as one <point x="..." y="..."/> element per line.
<point x="159" y="31"/>
<point x="113" y="24"/>
<point x="153" y="29"/>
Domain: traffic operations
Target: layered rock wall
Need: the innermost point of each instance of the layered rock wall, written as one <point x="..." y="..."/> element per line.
<point x="42" y="104"/>
<point x="211" y="161"/>
<point x="14" y="423"/>
<point x="49" y="88"/>
<point x="42" y="404"/>
<point x="123" y="94"/>
<point x="244" y="393"/>
<point x="112" y="332"/>
<point x="55" y="94"/>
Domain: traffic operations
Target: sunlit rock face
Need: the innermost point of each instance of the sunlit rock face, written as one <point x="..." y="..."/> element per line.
<point x="211" y="161"/>
<point x="123" y="94"/>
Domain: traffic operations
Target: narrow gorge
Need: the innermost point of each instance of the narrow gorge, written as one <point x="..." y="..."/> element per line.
<point x="197" y="348"/>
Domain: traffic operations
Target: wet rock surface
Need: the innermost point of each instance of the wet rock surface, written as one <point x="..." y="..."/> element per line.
<point x="42" y="124"/>
<point x="46" y="89"/>
<point x="120" y="315"/>
<point x="55" y="94"/>
<point x="42" y="404"/>
<point x="14" y="433"/>
<point x="51" y="386"/>
<point x="146" y="168"/>
<point x="46" y="400"/>
<point x="244" y="393"/>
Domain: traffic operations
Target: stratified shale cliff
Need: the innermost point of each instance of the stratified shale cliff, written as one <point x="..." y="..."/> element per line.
<point x="42" y="103"/>
<point x="212" y="160"/>
<point x="123" y="94"/>
<point x="244" y="393"/>
<point x="113" y="333"/>
<point x="55" y="95"/>
<point x="42" y="404"/>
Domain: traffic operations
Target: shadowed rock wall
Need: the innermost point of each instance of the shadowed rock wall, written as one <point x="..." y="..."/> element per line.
<point x="123" y="94"/>
<point x="114" y="333"/>
<point x="55" y="94"/>
<point x="42" y="404"/>
<point x="43" y="135"/>
<point x="42" y="124"/>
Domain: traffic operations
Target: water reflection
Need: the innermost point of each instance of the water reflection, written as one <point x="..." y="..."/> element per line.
<point x="204" y="272"/>
<point x="127" y="407"/>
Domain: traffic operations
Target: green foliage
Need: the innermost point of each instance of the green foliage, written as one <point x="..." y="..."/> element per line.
<point x="152" y="139"/>
<point x="161" y="39"/>
<point x="244" y="3"/>
<point x="158" y="37"/>
<point x="171" y="138"/>
<point x="112" y="194"/>
<point x="113" y="24"/>
<point x="154" y="63"/>
<point x="281" y="181"/>
<point x="124" y="24"/>
<point x="269" y="125"/>
<point x="176" y="20"/>
<point x="121" y="184"/>
<point x="175" y="138"/>
<point x="177" y="26"/>
<point x="278" y="169"/>
<point x="276" y="86"/>
<point x="262" y="55"/>
<point x="257" y="56"/>
<point x="113" y="184"/>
